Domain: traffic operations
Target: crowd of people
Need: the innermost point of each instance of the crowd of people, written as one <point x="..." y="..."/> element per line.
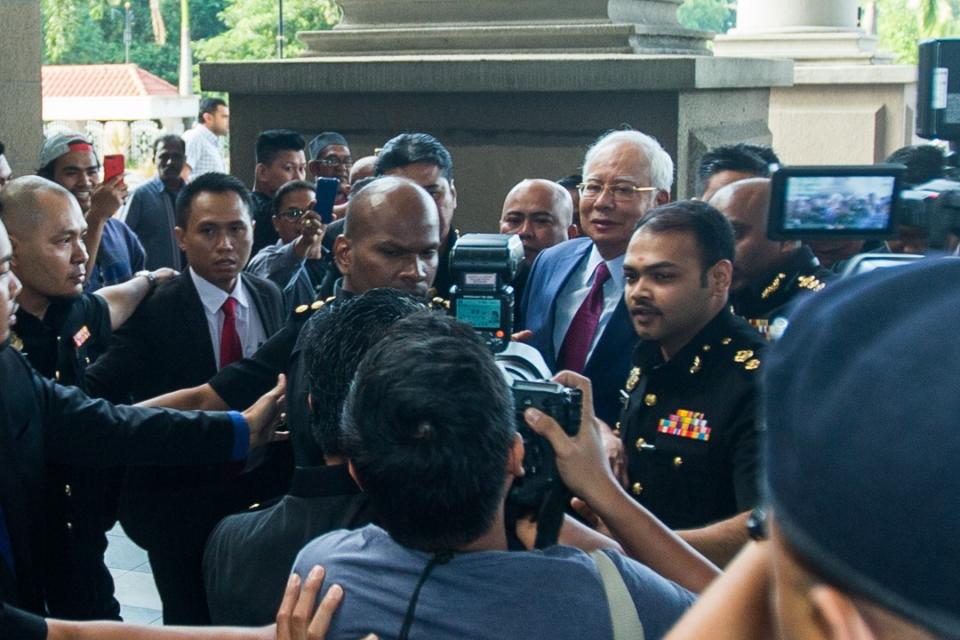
<point x="763" y="449"/>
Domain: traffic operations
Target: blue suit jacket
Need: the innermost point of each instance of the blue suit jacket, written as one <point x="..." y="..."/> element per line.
<point x="609" y="364"/>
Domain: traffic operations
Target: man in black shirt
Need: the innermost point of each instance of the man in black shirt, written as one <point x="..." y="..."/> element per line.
<point x="59" y="328"/>
<point x="280" y="159"/>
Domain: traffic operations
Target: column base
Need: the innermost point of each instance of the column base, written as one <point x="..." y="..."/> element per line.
<point x="807" y="46"/>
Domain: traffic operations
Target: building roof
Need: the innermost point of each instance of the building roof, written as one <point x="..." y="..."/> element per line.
<point x="103" y="80"/>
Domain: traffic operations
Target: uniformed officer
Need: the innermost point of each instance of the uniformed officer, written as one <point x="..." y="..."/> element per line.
<point x="59" y="329"/>
<point x="391" y="239"/>
<point x="688" y="419"/>
<point x="768" y="275"/>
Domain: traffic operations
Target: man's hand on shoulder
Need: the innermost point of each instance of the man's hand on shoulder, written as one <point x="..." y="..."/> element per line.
<point x="294" y="619"/>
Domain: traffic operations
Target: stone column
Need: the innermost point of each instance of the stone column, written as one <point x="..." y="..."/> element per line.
<point x="848" y="104"/>
<point x="21" y="129"/>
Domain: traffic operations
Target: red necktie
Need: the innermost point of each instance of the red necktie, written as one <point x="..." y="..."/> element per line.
<point x="230" y="348"/>
<point x="576" y="344"/>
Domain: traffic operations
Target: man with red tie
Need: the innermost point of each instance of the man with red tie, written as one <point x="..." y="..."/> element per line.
<point x="573" y="302"/>
<point x="187" y="330"/>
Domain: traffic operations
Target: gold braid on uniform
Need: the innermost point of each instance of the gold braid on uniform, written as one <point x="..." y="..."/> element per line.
<point x="774" y="286"/>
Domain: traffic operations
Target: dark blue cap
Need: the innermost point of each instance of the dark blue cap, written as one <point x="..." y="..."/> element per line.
<point x="862" y="453"/>
<point x="323" y="141"/>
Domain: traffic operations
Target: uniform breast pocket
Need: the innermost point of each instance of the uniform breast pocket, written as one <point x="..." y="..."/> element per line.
<point x="685" y="464"/>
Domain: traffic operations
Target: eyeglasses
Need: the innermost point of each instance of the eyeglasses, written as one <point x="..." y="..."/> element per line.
<point x="293" y="214"/>
<point x="622" y="192"/>
<point x="334" y="161"/>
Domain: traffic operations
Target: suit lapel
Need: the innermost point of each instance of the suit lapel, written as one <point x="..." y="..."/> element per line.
<point x="617" y="336"/>
<point x="563" y="271"/>
<point x="268" y="319"/>
<point x="195" y="321"/>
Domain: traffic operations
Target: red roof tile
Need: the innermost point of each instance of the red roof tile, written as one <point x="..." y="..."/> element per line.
<point x="102" y="80"/>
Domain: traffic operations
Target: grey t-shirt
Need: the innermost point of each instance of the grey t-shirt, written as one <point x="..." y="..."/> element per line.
<point x="555" y="593"/>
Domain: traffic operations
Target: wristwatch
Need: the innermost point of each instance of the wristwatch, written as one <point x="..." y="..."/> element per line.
<point x="151" y="279"/>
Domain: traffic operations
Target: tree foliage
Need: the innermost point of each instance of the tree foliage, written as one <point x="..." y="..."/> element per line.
<point x="902" y="24"/>
<point x="252" y="28"/>
<point x="708" y="15"/>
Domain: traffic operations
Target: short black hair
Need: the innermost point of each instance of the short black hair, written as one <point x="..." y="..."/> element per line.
<point x="924" y="162"/>
<point x="428" y="426"/>
<point x="710" y="228"/>
<point x="289" y="187"/>
<point x="273" y="141"/>
<point x="210" y="183"/>
<point x="209" y="105"/>
<point x="743" y="157"/>
<point x="337" y="340"/>
<point x="168" y="139"/>
<point x="571" y="181"/>
<point x="411" y="148"/>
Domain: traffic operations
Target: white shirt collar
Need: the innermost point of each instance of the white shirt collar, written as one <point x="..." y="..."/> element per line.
<point x="213" y="296"/>
<point x="615" y="267"/>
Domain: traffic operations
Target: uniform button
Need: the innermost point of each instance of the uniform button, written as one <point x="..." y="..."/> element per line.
<point x="650" y="399"/>
<point x="618" y="429"/>
<point x="69" y="526"/>
<point x="637" y="488"/>
<point x="640" y="444"/>
<point x="67" y="490"/>
<point x="677" y="462"/>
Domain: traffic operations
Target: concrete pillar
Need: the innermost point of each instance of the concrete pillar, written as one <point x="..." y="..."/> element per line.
<point x="21" y="128"/>
<point x="377" y="27"/>
<point x="847" y="105"/>
<point x="767" y="15"/>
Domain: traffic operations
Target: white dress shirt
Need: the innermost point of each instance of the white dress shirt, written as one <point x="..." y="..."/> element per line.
<point x="249" y="326"/>
<point x="575" y="291"/>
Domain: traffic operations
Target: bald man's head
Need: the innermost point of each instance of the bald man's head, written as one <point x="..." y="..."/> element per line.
<point x="746" y="204"/>
<point x="29" y="201"/>
<point x="540" y="212"/>
<point x="391" y="235"/>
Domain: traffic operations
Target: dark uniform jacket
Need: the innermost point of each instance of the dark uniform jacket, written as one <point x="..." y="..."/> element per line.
<point x="41" y="421"/>
<point x="80" y="502"/>
<point x="764" y="304"/>
<point x="689" y="427"/>
<point x="248" y="556"/>
<point x="263" y="233"/>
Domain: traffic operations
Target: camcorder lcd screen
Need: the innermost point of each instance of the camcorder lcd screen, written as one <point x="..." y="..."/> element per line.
<point x="847" y="201"/>
<point x="480" y="313"/>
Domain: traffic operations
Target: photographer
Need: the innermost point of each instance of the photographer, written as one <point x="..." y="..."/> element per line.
<point x="435" y="450"/>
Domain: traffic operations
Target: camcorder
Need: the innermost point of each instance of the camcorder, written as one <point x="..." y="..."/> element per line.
<point x="483" y="266"/>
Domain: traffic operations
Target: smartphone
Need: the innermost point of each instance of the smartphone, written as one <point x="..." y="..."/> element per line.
<point x="113" y="166"/>
<point x="326" y="195"/>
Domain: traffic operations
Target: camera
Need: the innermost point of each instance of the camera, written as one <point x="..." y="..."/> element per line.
<point x="483" y="265"/>
<point x="935" y="207"/>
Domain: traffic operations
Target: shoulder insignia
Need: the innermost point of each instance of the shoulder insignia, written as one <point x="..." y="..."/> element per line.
<point x="439" y="304"/>
<point x="811" y="283"/>
<point x="743" y="356"/>
<point x="752" y="365"/>
<point x="707" y="347"/>
<point x="16" y="342"/>
<point x="726" y="341"/>
<point x="302" y="309"/>
<point x="695" y="367"/>
<point x="330" y="299"/>
<point x="760" y="324"/>
<point x="318" y="304"/>
<point x="633" y="379"/>
<point x="774" y="286"/>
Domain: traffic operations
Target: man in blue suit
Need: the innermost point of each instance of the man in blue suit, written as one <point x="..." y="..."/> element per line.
<point x="573" y="302"/>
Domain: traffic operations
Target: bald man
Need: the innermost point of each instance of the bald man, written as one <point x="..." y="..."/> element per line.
<point x="541" y="213"/>
<point x="767" y="274"/>
<point x="391" y="238"/>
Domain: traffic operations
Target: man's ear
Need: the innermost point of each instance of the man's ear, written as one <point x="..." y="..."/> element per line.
<point x="721" y="276"/>
<point x="663" y="197"/>
<point x="343" y="254"/>
<point x="515" y="457"/>
<point x="259" y="171"/>
<point x="453" y="194"/>
<point x="314" y="167"/>
<point x="353" y="473"/>
<point x="837" y="615"/>
<point x="180" y="234"/>
<point x="14" y="244"/>
<point x="573" y="232"/>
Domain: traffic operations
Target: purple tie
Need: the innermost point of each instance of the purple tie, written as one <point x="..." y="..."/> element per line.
<point x="576" y="344"/>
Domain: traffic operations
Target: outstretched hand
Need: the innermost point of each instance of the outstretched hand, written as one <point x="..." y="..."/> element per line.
<point x="294" y="619"/>
<point x="264" y="416"/>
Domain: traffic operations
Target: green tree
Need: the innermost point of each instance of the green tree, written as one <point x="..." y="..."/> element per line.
<point x="901" y="25"/>
<point x="252" y="28"/>
<point x="708" y="15"/>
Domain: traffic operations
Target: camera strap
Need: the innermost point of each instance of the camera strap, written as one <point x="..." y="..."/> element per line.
<point x="550" y="517"/>
<point x="440" y="557"/>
